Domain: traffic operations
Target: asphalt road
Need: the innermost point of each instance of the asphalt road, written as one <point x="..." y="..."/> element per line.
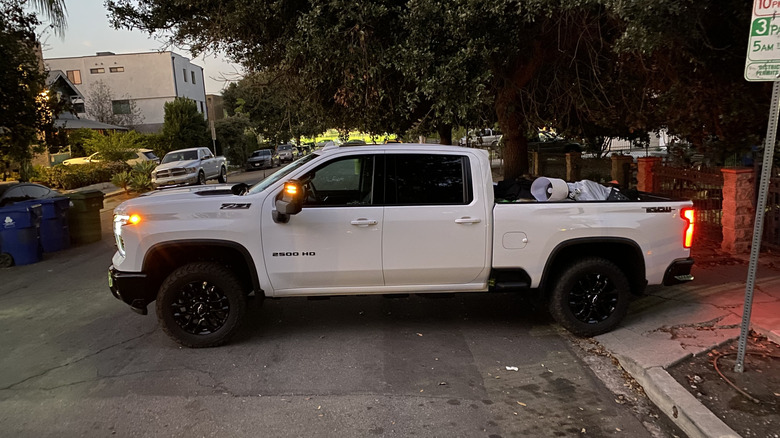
<point x="77" y="362"/>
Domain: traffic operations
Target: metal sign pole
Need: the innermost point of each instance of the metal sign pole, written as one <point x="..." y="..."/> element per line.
<point x="758" y="227"/>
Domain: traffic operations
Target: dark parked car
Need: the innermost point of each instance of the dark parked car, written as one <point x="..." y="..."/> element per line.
<point x="260" y="159"/>
<point x="11" y="192"/>
<point x="550" y="142"/>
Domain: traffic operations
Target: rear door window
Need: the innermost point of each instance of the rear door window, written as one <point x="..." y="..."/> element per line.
<point x="420" y="179"/>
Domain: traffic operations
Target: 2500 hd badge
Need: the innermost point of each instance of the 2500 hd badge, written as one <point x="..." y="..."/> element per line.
<point x="293" y="254"/>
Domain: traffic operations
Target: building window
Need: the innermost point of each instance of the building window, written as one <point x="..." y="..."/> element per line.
<point x="185" y="74"/>
<point x="201" y="107"/>
<point x="120" y="106"/>
<point x="116" y="69"/>
<point x="74" y="76"/>
<point x="79" y="108"/>
<point x="97" y="70"/>
<point x="193" y="76"/>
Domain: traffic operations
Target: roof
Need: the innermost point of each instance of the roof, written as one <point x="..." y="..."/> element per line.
<point x="68" y="120"/>
<point x="53" y="77"/>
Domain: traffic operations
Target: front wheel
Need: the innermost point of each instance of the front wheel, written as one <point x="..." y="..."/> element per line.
<point x="222" y="178"/>
<point x="201" y="178"/>
<point x="201" y="305"/>
<point x="591" y="297"/>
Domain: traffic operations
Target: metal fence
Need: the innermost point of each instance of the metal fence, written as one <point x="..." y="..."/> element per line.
<point x="771" y="237"/>
<point x="703" y="186"/>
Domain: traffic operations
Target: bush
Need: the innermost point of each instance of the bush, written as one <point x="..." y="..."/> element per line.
<point x="122" y="180"/>
<point x="72" y="177"/>
<point x="141" y="182"/>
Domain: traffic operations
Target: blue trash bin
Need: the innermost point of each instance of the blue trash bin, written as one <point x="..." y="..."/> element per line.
<point x="54" y="231"/>
<point x="19" y="233"/>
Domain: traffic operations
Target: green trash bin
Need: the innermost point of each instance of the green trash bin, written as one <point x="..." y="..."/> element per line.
<point x="84" y="216"/>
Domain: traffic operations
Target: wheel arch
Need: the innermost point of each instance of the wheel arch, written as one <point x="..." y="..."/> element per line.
<point x="163" y="258"/>
<point x="623" y="252"/>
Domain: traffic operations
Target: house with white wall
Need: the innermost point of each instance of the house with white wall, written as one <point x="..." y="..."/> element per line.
<point x="148" y="79"/>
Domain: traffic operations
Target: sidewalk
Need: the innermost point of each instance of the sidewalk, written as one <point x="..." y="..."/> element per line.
<point x="671" y="324"/>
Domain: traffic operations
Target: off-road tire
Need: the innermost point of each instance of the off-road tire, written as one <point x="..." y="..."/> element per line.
<point x="201" y="178"/>
<point x="222" y="178"/>
<point x="590" y="297"/>
<point x="201" y="304"/>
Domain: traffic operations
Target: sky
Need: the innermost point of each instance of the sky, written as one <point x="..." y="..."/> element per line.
<point x="89" y="32"/>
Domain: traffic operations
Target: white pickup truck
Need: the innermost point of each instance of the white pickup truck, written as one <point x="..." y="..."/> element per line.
<point x="189" y="166"/>
<point x="388" y="219"/>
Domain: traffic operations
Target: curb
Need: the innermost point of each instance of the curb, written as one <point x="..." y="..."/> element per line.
<point x="688" y="413"/>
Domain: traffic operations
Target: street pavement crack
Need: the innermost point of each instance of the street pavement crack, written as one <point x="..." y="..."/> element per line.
<point x="43" y="373"/>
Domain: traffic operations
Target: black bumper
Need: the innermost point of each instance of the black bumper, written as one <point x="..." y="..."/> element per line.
<point x="679" y="271"/>
<point x="130" y="287"/>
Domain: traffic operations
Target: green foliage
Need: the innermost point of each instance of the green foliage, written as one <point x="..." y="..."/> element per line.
<point x="236" y="137"/>
<point x="589" y="69"/>
<point x="114" y="146"/>
<point x="121" y="180"/>
<point x="144" y="167"/>
<point x="72" y="177"/>
<point x="141" y="182"/>
<point x="77" y="138"/>
<point x="26" y="109"/>
<point x="184" y="127"/>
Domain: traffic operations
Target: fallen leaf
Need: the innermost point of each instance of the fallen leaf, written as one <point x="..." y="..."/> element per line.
<point x="419" y="334"/>
<point x="522" y="404"/>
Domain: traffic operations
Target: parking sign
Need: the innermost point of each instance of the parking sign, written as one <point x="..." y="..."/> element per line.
<point x="763" y="55"/>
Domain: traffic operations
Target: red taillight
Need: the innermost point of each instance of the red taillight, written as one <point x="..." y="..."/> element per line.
<point x="690" y="216"/>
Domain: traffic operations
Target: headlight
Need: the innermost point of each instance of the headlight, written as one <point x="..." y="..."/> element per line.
<point x="120" y="220"/>
<point x="190" y="169"/>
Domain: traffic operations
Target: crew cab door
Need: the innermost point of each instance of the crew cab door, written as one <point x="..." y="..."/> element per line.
<point x="208" y="162"/>
<point x="335" y="242"/>
<point x="436" y="228"/>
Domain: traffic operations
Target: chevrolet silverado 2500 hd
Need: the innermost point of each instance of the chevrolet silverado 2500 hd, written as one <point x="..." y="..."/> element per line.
<point x="388" y="219"/>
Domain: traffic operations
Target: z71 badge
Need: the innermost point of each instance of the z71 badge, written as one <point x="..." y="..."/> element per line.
<point x="658" y="209"/>
<point x="235" y="206"/>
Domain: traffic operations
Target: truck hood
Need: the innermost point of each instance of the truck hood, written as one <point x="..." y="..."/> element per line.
<point x="214" y="192"/>
<point x="178" y="164"/>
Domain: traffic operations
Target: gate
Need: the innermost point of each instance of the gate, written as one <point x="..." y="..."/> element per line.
<point x="771" y="237"/>
<point x="704" y="187"/>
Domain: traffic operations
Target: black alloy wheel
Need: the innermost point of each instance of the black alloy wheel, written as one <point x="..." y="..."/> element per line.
<point x="590" y="297"/>
<point x="201" y="304"/>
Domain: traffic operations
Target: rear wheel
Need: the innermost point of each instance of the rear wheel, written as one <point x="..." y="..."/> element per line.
<point x="201" y="304"/>
<point x="591" y="297"/>
<point x="222" y="179"/>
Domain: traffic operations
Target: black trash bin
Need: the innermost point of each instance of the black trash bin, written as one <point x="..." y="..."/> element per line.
<point x="19" y="234"/>
<point x="55" y="231"/>
<point x="84" y="216"/>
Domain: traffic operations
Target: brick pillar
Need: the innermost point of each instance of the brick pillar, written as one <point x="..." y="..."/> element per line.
<point x="621" y="169"/>
<point x="573" y="166"/>
<point x="739" y="210"/>
<point x="645" y="174"/>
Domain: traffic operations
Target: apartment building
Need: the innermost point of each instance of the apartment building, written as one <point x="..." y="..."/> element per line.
<point x="148" y="79"/>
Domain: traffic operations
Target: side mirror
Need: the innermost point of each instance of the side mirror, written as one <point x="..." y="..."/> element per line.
<point x="288" y="202"/>
<point x="240" y="189"/>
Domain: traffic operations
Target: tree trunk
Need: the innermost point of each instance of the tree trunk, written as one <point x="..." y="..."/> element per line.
<point x="510" y="116"/>
<point x="445" y="133"/>
<point x="512" y="124"/>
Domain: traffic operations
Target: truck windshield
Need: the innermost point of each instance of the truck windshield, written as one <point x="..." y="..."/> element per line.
<point x="279" y="174"/>
<point x="180" y="156"/>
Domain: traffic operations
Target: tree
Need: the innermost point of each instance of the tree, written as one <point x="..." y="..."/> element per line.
<point x="101" y="105"/>
<point x="183" y="126"/>
<point x="590" y="68"/>
<point x="236" y="137"/>
<point x="26" y="108"/>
